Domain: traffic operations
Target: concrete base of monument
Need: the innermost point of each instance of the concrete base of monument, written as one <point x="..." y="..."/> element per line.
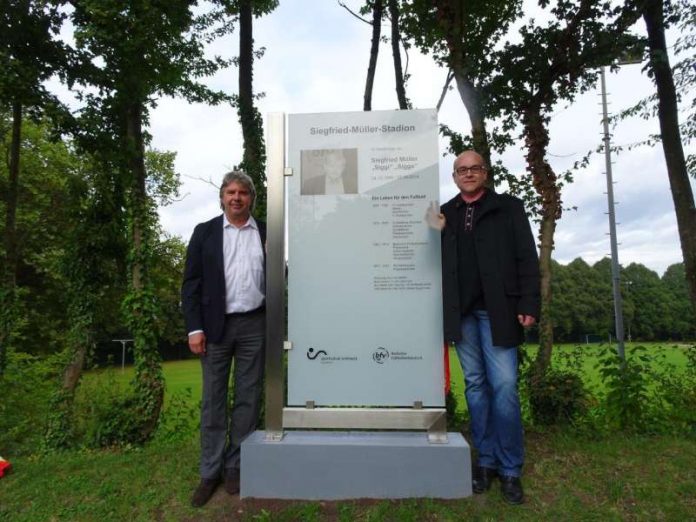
<point x="334" y="465"/>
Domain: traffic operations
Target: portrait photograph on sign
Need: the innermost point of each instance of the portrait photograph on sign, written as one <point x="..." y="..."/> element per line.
<point x="329" y="171"/>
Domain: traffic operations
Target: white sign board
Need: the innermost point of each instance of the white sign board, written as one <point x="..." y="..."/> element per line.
<point x="364" y="273"/>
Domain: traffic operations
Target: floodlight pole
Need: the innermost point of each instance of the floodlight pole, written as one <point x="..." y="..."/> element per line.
<point x="615" y="268"/>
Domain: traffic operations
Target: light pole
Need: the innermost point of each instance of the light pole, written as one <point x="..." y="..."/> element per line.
<point x="630" y="57"/>
<point x="123" y="342"/>
<point x="615" y="269"/>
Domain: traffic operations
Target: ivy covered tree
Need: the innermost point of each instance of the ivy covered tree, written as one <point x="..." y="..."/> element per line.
<point x="139" y="50"/>
<point x="551" y="63"/>
<point x="243" y="12"/>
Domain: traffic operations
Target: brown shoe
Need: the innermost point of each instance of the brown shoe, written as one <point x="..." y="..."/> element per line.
<point x="204" y="491"/>
<point x="232" y="481"/>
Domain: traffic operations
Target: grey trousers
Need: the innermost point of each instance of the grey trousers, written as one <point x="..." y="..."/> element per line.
<point x="243" y="340"/>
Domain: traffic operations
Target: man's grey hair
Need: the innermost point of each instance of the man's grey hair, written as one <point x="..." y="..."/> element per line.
<point x="239" y="177"/>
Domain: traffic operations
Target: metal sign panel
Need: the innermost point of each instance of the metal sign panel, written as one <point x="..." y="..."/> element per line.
<point x="364" y="276"/>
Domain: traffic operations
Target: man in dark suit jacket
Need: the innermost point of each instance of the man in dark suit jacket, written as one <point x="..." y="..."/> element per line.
<point x="490" y="274"/>
<point x="223" y="298"/>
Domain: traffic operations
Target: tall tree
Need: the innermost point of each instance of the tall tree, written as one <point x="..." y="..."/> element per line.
<point x="377" y="9"/>
<point x="462" y="36"/>
<point x="655" y="17"/>
<point x="139" y="50"/>
<point x="254" y="159"/>
<point x="551" y="63"/>
<point x="672" y="86"/>
<point x="30" y="53"/>
<point x="681" y="323"/>
<point x="396" y="54"/>
<point x="378" y="13"/>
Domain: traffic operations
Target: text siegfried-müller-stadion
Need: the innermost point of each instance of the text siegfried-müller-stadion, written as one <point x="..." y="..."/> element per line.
<point x="361" y="129"/>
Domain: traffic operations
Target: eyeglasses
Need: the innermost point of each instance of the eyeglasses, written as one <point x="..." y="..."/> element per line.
<point x="474" y="169"/>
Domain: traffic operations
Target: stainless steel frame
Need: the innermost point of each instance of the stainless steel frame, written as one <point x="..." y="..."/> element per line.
<point x="433" y="420"/>
<point x="278" y="417"/>
<point x="275" y="274"/>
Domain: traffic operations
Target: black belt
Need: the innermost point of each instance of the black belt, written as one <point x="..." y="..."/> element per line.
<point x="249" y="312"/>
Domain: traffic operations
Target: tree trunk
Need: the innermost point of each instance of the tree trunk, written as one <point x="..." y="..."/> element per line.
<point x="60" y="422"/>
<point x="149" y="383"/>
<point x="471" y="99"/>
<point x="396" y="52"/>
<point x="450" y="19"/>
<point x="544" y="181"/>
<point x="252" y="126"/>
<point x="9" y="281"/>
<point x="668" y="114"/>
<point x="246" y="68"/>
<point x="374" y="52"/>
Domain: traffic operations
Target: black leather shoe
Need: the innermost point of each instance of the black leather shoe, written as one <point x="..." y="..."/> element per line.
<point x="204" y="491"/>
<point x="482" y="478"/>
<point x="511" y="487"/>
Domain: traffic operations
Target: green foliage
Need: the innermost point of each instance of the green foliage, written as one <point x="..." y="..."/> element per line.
<point x="254" y="162"/>
<point x="557" y="397"/>
<point x="144" y="50"/>
<point x="179" y="418"/>
<point x="26" y="398"/>
<point x="677" y="391"/>
<point x="104" y="413"/>
<point x="455" y="416"/>
<point x="680" y="14"/>
<point x="30" y="52"/>
<point x="627" y="399"/>
<point x="654" y="307"/>
<point x="43" y="222"/>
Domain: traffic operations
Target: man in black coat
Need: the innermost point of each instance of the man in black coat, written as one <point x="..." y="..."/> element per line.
<point x="490" y="274"/>
<point x="223" y="298"/>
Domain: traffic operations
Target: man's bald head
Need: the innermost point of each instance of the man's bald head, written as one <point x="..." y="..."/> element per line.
<point x="470" y="173"/>
<point x="469" y="154"/>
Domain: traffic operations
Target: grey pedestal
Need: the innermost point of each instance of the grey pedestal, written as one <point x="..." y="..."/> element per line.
<point x="333" y="465"/>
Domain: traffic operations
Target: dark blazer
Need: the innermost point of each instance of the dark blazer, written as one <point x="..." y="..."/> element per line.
<point x="203" y="289"/>
<point x="508" y="265"/>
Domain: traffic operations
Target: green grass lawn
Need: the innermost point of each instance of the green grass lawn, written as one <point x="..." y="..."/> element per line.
<point x="566" y="478"/>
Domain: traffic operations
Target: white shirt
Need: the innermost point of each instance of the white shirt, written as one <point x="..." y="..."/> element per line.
<point x="242" y="252"/>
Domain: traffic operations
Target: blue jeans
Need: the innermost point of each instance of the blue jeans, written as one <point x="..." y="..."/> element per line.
<point x="490" y="374"/>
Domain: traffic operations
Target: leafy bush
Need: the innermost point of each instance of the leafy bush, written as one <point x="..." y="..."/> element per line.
<point x="627" y="400"/>
<point x="677" y="394"/>
<point x="455" y="418"/>
<point x="26" y="387"/>
<point x="105" y="413"/>
<point x="179" y="419"/>
<point x="558" y="397"/>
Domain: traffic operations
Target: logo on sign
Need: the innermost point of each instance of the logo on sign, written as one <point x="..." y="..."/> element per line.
<point x="380" y="355"/>
<point x="313" y="354"/>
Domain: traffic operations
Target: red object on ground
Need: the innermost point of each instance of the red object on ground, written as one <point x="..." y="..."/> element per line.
<point x="447" y="370"/>
<point x="4" y="467"/>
